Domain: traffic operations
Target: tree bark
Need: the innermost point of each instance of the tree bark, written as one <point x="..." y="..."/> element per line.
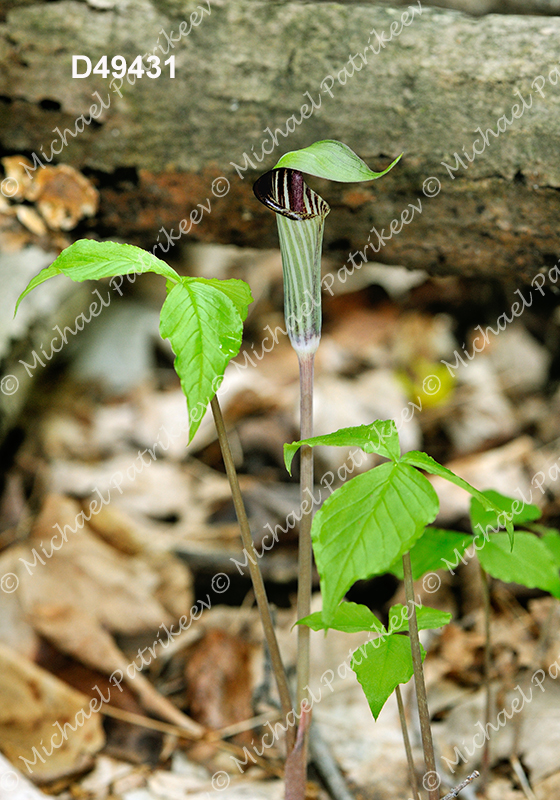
<point x="168" y="145"/>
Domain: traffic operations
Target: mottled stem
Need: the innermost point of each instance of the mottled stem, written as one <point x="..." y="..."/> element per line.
<point x="305" y="550"/>
<point x="255" y="572"/>
<point x="430" y="778"/>
<point x="407" y="747"/>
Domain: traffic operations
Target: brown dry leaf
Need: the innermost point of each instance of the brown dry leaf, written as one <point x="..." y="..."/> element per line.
<point x="16" y="630"/>
<point x="549" y="789"/>
<point x="87" y="574"/>
<point x="219" y="680"/>
<point x="63" y="196"/>
<point x="31" y="220"/>
<point x="117" y="529"/>
<point x="36" y="708"/>
<point x="461" y="651"/>
<point x="14" y="168"/>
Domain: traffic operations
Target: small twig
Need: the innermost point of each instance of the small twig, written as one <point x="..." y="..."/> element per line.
<point x="255" y="572"/>
<point x="462" y="785"/>
<point x="407" y="747"/>
<point x="421" y="695"/>
<point x="522" y="778"/>
<point x="180" y="733"/>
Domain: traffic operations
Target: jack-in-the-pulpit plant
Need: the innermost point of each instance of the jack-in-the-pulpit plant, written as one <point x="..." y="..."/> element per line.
<point x="300" y="215"/>
<point x="374" y="523"/>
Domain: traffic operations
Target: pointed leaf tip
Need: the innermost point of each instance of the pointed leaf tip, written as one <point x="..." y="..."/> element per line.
<point x="88" y="259"/>
<point x="332" y="160"/>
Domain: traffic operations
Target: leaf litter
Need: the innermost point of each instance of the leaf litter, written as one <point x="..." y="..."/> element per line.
<point x="144" y="558"/>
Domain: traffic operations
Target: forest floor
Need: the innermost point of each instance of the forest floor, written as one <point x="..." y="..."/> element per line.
<point x="92" y="622"/>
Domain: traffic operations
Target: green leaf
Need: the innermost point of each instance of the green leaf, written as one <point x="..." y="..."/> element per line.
<point x="427" y="618"/>
<point x="87" y="259"/>
<point x="517" y="511"/>
<point x="379" y="437"/>
<point x="204" y="326"/>
<point x="332" y="160"/>
<point x="530" y="563"/>
<point x="381" y="666"/>
<point x="431" y="549"/>
<point x="238" y="292"/>
<point x="426" y="462"/>
<point x="366" y="524"/>
<point x="551" y="539"/>
<point x="348" y="617"/>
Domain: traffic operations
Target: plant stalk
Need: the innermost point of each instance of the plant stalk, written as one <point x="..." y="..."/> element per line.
<point x="305" y="559"/>
<point x="255" y="572"/>
<point x="407" y="747"/>
<point x="485" y="766"/>
<point x="430" y="777"/>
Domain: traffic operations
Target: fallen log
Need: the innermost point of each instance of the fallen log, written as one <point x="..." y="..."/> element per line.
<point x="473" y="104"/>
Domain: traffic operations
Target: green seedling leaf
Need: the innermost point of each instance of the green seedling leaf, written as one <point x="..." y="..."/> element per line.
<point x="348" y="617"/>
<point x="529" y="563"/>
<point x="381" y="666"/>
<point x="90" y="260"/>
<point x="432" y="550"/>
<point x="517" y="511"/>
<point x="551" y="539"/>
<point x="238" y="292"/>
<point x="428" y="618"/>
<point x="379" y="437"/>
<point x="366" y="524"/>
<point x="332" y="160"/>
<point x="427" y="463"/>
<point x="203" y="320"/>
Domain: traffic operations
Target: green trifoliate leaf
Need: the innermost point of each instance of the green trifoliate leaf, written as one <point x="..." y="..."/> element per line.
<point x="514" y="510"/>
<point x="551" y="539"/>
<point x="381" y="666"/>
<point x="89" y="260"/>
<point x="427" y="463"/>
<point x="529" y="563"/>
<point x="348" y="617"/>
<point x="332" y="160"/>
<point x="238" y="292"/>
<point x="428" y="618"/>
<point x="379" y="437"/>
<point x="366" y="524"/>
<point x="203" y="319"/>
<point x="434" y="550"/>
